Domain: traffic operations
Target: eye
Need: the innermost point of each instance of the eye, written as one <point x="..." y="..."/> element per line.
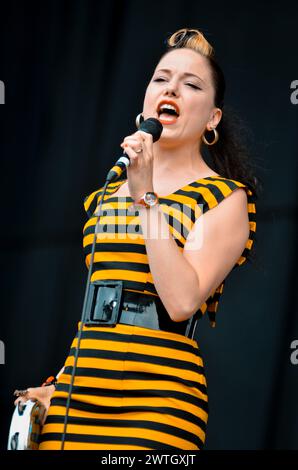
<point x="193" y="86"/>
<point x="159" y="80"/>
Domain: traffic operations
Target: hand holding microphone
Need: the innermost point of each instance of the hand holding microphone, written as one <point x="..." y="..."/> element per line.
<point x="149" y="132"/>
<point x="139" y="148"/>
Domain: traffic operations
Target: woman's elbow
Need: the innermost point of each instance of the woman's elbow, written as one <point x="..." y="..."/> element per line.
<point x="183" y="313"/>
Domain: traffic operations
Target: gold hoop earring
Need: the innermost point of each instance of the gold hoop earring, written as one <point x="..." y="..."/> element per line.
<point x="216" y="137"/>
<point x="139" y="120"/>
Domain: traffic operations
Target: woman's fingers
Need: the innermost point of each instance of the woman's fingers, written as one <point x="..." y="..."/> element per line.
<point x="133" y="155"/>
<point x="147" y="145"/>
<point x="135" y="140"/>
<point x="22" y="396"/>
<point x="144" y="142"/>
<point x="135" y="146"/>
<point x="41" y="394"/>
<point x="131" y="139"/>
<point x="140" y="142"/>
<point x="20" y="400"/>
<point x="45" y="403"/>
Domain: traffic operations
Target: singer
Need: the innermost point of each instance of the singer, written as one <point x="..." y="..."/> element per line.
<point x="171" y="229"/>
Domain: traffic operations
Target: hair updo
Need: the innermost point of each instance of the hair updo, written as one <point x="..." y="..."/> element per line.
<point x="230" y="155"/>
<point x="191" y="38"/>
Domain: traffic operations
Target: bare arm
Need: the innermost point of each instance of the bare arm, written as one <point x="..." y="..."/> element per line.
<point x="184" y="280"/>
<point x="174" y="278"/>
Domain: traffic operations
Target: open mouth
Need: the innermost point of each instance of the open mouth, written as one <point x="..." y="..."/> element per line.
<point x="168" y="112"/>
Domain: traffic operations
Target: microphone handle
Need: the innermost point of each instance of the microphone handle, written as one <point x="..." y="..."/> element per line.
<point x="121" y="164"/>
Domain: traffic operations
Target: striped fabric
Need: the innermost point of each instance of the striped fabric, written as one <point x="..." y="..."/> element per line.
<point x="135" y="388"/>
<point x="120" y="247"/>
<point x="138" y="388"/>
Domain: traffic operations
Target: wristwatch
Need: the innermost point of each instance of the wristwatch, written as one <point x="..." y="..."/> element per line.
<point x="148" y="200"/>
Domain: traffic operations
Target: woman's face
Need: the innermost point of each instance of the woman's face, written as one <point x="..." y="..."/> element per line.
<point x="183" y="78"/>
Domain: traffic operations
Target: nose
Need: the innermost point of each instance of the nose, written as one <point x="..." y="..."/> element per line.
<point x="172" y="89"/>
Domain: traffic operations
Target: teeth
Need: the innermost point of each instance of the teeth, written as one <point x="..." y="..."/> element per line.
<point x="166" y="106"/>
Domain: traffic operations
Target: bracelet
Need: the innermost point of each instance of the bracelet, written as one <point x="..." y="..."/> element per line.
<point x="50" y="381"/>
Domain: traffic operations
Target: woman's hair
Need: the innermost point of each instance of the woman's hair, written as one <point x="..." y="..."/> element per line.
<point x="230" y="155"/>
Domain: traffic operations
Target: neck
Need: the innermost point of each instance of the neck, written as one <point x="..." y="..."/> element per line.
<point x="180" y="160"/>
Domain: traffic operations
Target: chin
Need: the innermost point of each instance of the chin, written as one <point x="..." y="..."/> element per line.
<point x="168" y="142"/>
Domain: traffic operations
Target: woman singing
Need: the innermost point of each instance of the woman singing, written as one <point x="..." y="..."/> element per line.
<point x="171" y="230"/>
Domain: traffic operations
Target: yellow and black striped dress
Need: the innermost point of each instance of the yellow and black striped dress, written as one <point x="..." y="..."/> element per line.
<point x="138" y="388"/>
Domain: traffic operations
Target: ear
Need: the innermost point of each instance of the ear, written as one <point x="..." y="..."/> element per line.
<point x="215" y="117"/>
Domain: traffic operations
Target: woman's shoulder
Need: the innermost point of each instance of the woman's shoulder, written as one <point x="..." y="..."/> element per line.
<point x="231" y="182"/>
<point x="213" y="189"/>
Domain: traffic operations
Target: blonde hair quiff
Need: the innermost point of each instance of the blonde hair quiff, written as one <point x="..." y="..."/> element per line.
<point x="192" y="39"/>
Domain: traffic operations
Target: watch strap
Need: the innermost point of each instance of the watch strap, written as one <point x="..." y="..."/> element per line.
<point x="143" y="203"/>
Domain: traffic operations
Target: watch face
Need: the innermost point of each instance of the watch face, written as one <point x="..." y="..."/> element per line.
<point x="150" y="198"/>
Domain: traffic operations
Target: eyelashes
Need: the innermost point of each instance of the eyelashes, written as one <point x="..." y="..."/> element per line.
<point x="195" y="87"/>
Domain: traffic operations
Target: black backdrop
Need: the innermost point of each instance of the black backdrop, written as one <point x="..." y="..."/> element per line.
<point x="75" y="73"/>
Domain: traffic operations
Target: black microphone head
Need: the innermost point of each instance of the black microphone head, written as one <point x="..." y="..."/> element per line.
<point x="152" y="126"/>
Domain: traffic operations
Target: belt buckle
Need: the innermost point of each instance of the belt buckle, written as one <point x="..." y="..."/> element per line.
<point x="103" y="303"/>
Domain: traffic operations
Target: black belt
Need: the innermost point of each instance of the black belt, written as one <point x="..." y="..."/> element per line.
<point x="108" y="304"/>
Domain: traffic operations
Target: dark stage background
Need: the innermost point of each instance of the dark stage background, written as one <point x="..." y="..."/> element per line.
<point x="75" y="74"/>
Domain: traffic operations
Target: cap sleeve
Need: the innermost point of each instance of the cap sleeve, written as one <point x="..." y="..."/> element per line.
<point x="252" y="212"/>
<point x="91" y="202"/>
<point x="212" y="304"/>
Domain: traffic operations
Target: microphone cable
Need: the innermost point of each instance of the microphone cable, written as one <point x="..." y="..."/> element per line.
<point x="84" y="309"/>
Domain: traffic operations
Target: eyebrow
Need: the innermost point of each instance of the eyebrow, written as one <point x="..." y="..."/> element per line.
<point x="185" y="74"/>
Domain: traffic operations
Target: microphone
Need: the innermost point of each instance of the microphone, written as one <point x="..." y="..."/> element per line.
<point x="151" y="126"/>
